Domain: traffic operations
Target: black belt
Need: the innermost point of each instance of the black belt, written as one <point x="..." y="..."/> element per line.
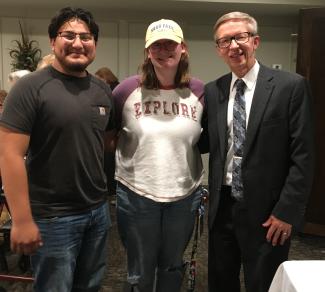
<point x="225" y="194"/>
<point x="226" y="189"/>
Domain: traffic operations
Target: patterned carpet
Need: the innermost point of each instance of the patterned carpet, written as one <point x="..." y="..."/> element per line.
<point x="303" y="247"/>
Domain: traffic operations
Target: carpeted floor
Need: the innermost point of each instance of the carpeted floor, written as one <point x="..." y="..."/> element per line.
<point x="303" y="248"/>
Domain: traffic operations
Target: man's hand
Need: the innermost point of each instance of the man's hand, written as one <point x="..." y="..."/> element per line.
<point x="278" y="231"/>
<point x="25" y="238"/>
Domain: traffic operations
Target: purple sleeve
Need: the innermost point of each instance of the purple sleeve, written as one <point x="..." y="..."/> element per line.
<point x="197" y="87"/>
<point x="120" y="95"/>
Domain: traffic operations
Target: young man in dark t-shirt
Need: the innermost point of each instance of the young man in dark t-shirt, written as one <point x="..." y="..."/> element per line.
<point x="64" y="117"/>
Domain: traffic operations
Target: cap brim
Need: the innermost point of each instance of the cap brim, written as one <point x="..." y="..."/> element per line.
<point x="175" y="38"/>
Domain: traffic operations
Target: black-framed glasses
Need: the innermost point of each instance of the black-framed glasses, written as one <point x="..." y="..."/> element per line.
<point x="240" y="38"/>
<point x="167" y="45"/>
<point x="71" y="36"/>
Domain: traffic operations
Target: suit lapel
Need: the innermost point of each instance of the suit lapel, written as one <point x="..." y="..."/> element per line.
<point x="263" y="91"/>
<point x="223" y="86"/>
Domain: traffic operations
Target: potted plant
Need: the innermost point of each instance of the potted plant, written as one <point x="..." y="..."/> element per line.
<point x="25" y="54"/>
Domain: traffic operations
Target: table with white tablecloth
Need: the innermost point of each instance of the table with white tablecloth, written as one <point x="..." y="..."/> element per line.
<point x="299" y="276"/>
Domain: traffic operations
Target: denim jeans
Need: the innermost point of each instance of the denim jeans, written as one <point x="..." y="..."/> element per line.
<point x="155" y="236"/>
<point x="73" y="255"/>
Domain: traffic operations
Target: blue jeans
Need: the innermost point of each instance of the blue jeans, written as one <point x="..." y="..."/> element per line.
<point x="73" y="256"/>
<point x="155" y="236"/>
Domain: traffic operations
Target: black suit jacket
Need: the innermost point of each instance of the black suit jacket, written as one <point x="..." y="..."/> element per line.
<point x="277" y="165"/>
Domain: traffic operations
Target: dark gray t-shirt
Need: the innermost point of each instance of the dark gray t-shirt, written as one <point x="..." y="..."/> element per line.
<point x="66" y="118"/>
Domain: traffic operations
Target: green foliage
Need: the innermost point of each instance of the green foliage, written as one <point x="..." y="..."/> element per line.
<point x="25" y="54"/>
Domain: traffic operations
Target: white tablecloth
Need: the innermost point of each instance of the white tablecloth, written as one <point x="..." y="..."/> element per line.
<point x="299" y="276"/>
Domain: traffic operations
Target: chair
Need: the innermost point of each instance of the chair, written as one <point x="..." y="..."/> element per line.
<point x="5" y="227"/>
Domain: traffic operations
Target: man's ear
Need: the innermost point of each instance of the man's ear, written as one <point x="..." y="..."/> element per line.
<point x="256" y="41"/>
<point x="52" y="42"/>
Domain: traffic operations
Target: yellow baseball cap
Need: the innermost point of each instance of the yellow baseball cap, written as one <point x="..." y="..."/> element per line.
<point x="163" y="29"/>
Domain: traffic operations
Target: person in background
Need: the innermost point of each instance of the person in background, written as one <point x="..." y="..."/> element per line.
<point x="64" y="117"/>
<point x="158" y="164"/>
<point x="258" y="128"/>
<point x="16" y="75"/>
<point x="45" y="61"/>
<point x="108" y="77"/>
<point x="3" y="95"/>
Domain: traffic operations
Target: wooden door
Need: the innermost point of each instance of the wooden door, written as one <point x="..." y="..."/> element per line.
<point x="311" y="64"/>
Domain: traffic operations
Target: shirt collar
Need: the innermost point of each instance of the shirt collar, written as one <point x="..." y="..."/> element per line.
<point x="249" y="79"/>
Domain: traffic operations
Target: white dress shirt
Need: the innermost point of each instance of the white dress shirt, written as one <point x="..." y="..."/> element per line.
<point x="250" y="81"/>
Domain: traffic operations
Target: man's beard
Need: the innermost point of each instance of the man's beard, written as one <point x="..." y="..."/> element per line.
<point x="77" y="67"/>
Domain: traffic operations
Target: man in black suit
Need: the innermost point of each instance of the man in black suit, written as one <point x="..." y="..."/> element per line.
<point x="252" y="223"/>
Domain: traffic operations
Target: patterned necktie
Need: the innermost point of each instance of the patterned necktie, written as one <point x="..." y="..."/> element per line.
<point x="239" y="132"/>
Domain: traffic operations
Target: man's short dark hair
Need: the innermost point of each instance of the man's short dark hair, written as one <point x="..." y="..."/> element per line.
<point x="68" y="13"/>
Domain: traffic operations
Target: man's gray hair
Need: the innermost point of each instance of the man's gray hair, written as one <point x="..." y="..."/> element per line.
<point x="239" y="16"/>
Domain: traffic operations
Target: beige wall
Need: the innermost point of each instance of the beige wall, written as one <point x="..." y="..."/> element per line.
<point x="120" y="46"/>
<point x="121" y="42"/>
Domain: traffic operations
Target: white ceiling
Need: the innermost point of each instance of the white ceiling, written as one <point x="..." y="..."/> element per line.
<point x="120" y="8"/>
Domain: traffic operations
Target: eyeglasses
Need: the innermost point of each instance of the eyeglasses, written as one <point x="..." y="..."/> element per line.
<point x="240" y="38"/>
<point x="71" y="36"/>
<point x="168" y="46"/>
